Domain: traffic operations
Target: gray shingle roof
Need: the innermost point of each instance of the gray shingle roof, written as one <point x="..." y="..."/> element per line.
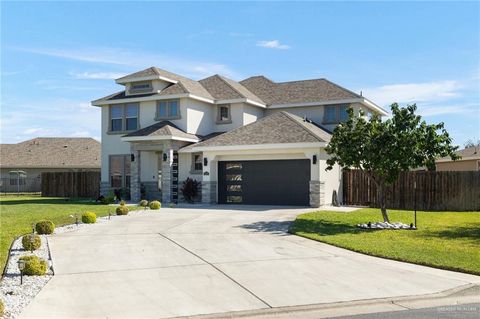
<point x="51" y="152"/>
<point x="279" y="127"/>
<point x="296" y="91"/>
<point x="469" y="153"/>
<point x="160" y="129"/>
<point x="223" y="88"/>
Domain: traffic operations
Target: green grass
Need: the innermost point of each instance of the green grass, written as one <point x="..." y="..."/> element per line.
<point x="17" y="213"/>
<point x="447" y="240"/>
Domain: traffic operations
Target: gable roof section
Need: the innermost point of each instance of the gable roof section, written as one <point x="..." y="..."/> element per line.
<point x="161" y="129"/>
<point x="222" y="88"/>
<point x="296" y="91"/>
<point x="277" y="128"/>
<point x="51" y="152"/>
<point x="469" y="153"/>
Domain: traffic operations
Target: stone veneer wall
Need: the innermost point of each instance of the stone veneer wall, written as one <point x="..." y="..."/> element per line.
<point x="317" y="193"/>
<point x="135" y="168"/>
<point x="209" y="192"/>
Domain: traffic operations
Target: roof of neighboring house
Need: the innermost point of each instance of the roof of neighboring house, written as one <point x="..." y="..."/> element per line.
<point x="469" y="153"/>
<point x="277" y="128"/>
<point x="222" y="88"/>
<point x="296" y="91"/>
<point x="163" y="128"/>
<point x="51" y="152"/>
<point x="258" y="89"/>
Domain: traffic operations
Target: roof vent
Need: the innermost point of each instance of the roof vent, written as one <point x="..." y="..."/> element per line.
<point x="65" y="146"/>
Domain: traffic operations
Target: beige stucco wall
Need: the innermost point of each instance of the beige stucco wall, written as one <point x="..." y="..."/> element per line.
<point x="467" y="165"/>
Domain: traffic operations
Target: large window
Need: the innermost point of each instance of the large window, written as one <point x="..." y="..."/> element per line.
<point x="17" y="178"/>
<point x="168" y="109"/>
<point x="124" y="117"/>
<point x="223" y="114"/>
<point x="120" y="171"/>
<point x="335" y="114"/>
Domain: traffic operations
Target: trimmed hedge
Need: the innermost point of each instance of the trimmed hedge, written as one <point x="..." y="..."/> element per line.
<point x="143" y="203"/>
<point x="34" y="266"/>
<point x="122" y="210"/>
<point x="28" y="244"/>
<point x="45" y="227"/>
<point x="89" y="218"/>
<point x="155" y="204"/>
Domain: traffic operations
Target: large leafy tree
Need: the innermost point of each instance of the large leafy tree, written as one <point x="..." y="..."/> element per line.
<point x="382" y="149"/>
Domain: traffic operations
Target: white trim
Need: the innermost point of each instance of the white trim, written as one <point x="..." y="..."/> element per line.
<point x="157" y="138"/>
<point x="195" y="149"/>
<point x="145" y="78"/>
<point x="150" y="98"/>
<point x="362" y="100"/>
<point x="241" y="100"/>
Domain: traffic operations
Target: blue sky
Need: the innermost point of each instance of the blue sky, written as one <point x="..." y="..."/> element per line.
<point x="56" y="57"/>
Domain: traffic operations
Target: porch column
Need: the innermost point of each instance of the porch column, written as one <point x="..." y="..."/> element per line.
<point x="135" y="176"/>
<point x="209" y="181"/>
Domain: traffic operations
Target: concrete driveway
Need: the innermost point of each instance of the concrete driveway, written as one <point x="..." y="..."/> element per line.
<point x="181" y="262"/>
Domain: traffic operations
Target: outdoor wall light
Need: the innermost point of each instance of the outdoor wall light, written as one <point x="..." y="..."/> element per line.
<point x="314" y="159"/>
<point x="165" y="156"/>
<point x="21" y="267"/>
<point x="205" y="161"/>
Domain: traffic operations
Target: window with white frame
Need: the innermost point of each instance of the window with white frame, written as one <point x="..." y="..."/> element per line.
<point x="223" y="114"/>
<point x="334" y="114"/>
<point x="168" y="109"/>
<point x="197" y="165"/>
<point x="119" y="171"/>
<point x="124" y="117"/>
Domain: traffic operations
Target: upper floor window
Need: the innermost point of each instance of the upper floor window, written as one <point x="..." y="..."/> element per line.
<point x="223" y="114"/>
<point x="168" y="109"/>
<point x="124" y="117"/>
<point x="140" y="87"/>
<point x="335" y="114"/>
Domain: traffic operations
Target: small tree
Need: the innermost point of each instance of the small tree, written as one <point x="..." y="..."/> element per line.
<point x="382" y="149"/>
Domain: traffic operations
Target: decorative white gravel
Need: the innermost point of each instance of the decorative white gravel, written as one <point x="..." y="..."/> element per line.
<point x="16" y="296"/>
<point x="384" y="225"/>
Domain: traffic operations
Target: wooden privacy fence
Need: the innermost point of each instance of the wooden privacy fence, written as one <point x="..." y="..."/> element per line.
<point x="454" y="191"/>
<point x="71" y="184"/>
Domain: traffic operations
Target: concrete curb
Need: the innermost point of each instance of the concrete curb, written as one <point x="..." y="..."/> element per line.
<point x="464" y="294"/>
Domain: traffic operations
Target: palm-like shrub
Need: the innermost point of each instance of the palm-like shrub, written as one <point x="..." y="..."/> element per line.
<point x="190" y="189"/>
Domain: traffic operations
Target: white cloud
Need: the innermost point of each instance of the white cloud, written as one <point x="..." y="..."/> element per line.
<point x="414" y="92"/>
<point x="272" y="44"/>
<point x="97" y="75"/>
<point x="433" y="110"/>
<point x="132" y="60"/>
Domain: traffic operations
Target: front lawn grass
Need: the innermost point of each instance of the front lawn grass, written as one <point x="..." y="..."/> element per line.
<point x="448" y="240"/>
<point x="17" y="213"/>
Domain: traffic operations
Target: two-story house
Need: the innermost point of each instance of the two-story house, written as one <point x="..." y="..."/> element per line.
<point x="250" y="142"/>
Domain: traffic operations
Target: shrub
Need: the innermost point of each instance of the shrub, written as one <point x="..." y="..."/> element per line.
<point x="45" y="227"/>
<point x="155" y="204"/>
<point x="122" y="202"/>
<point x="28" y="244"/>
<point x="89" y="218"/>
<point x="2" y="308"/>
<point x="110" y="199"/>
<point x="34" y="266"/>
<point x="143" y="203"/>
<point x="122" y="210"/>
<point x="190" y="189"/>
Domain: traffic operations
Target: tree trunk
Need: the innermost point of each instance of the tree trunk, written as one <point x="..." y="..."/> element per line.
<point x="381" y="199"/>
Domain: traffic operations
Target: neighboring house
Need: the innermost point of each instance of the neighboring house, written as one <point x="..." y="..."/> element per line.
<point x="470" y="161"/>
<point x="44" y="154"/>
<point x="249" y="142"/>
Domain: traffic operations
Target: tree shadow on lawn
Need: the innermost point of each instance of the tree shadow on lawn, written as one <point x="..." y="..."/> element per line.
<point x="322" y="228"/>
<point x="49" y="201"/>
<point x="325" y="228"/>
<point x="461" y="232"/>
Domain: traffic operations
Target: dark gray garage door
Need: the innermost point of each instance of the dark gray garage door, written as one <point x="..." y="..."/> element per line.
<point x="279" y="182"/>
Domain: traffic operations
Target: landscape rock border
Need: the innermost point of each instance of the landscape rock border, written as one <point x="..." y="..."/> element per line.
<point x="385" y="225"/>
